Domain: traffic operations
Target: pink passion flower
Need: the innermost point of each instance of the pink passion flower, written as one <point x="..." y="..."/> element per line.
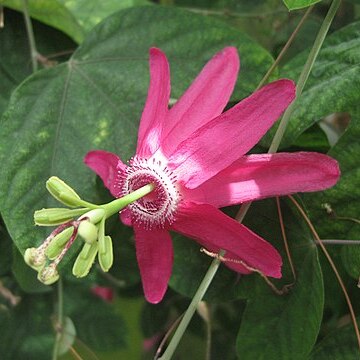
<point x="194" y="155"/>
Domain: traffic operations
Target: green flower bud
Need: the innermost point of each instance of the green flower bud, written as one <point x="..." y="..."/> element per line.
<point x="88" y="231"/>
<point x="62" y="192"/>
<point x="34" y="258"/>
<point x="85" y="260"/>
<point x="58" y="242"/>
<point x="48" y="275"/>
<point x="105" y="255"/>
<point x="56" y="216"/>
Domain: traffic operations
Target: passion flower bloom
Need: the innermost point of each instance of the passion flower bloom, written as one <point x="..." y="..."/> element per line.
<point x="194" y="155"/>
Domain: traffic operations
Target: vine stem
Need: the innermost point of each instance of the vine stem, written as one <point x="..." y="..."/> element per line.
<point x="60" y="319"/>
<point x="314" y="52"/>
<point x="192" y="308"/>
<point x="283" y="232"/>
<point x="340" y="242"/>
<point x="273" y="148"/>
<point x="30" y="35"/>
<point x="333" y="266"/>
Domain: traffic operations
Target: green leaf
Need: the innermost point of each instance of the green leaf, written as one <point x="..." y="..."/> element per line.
<point x="6" y="246"/>
<point x="88" y="13"/>
<point x="336" y="71"/>
<point x="273" y="326"/>
<point x="16" y="65"/>
<point x="97" y="323"/>
<point x="343" y="222"/>
<point x="50" y="12"/>
<point x="68" y="336"/>
<point x="28" y="332"/>
<point x="299" y="4"/>
<point x="95" y="100"/>
<point x="341" y="344"/>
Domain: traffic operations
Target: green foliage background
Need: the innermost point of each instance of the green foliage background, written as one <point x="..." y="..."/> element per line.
<point x="89" y="93"/>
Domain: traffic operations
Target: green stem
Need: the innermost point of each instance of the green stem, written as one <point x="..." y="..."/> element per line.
<point x="60" y="320"/>
<point x="314" y="52"/>
<point x="192" y="308"/>
<point x="30" y="35"/>
<point x="118" y="204"/>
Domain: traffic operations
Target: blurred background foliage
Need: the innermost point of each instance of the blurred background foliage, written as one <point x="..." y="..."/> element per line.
<point x="106" y="316"/>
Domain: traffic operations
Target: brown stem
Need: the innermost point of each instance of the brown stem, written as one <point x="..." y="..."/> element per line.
<point x="286" y="244"/>
<point x="285" y="48"/>
<point x="167" y="335"/>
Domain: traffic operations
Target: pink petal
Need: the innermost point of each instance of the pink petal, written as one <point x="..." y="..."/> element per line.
<point x="205" y="99"/>
<point x="125" y="217"/>
<point x="224" y="139"/>
<point x="156" y="106"/>
<point x="103" y="292"/>
<point x="255" y="177"/>
<point x="207" y="225"/>
<point x="106" y="165"/>
<point x="154" y="254"/>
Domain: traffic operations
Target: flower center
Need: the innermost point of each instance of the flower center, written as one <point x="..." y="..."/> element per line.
<point x="159" y="207"/>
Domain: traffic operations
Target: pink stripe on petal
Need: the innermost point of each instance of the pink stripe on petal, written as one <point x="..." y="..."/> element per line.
<point x="207" y="225"/>
<point x="223" y="140"/>
<point x="205" y="99"/>
<point x="154" y="254"/>
<point x="156" y="105"/>
<point x="255" y="177"/>
<point x="106" y="165"/>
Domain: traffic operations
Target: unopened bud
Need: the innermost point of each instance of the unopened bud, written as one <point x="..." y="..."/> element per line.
<point x="62" y="192"/>
<point x="88" y="231"/>
<point x="85" y="260"/>
<point x="34" y="258"/>
<point x="58" y="242"/>
<point x="48" y="275"/>
<point x="56" y="216"/>
<point x="105" y="255"/>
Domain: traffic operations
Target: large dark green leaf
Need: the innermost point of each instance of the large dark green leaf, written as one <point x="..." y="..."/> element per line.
<point x="28" y="332"/>
<point x="336" y="72"/>
<point x="273" y="326"/>
<point x="97" y="323"/>
<point x="342" y="198"/>
<point x="95" y="101"/>
<point x="16" y="65"/>
<point x="88" y="13"/>
<point x="51" y="12"/>
<point x="299" y="4"/>
<point x="5" y="250"/>
<point x="341" y="344"/>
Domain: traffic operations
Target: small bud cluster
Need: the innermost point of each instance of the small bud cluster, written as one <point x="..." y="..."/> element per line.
<point x="83" y="219"/>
